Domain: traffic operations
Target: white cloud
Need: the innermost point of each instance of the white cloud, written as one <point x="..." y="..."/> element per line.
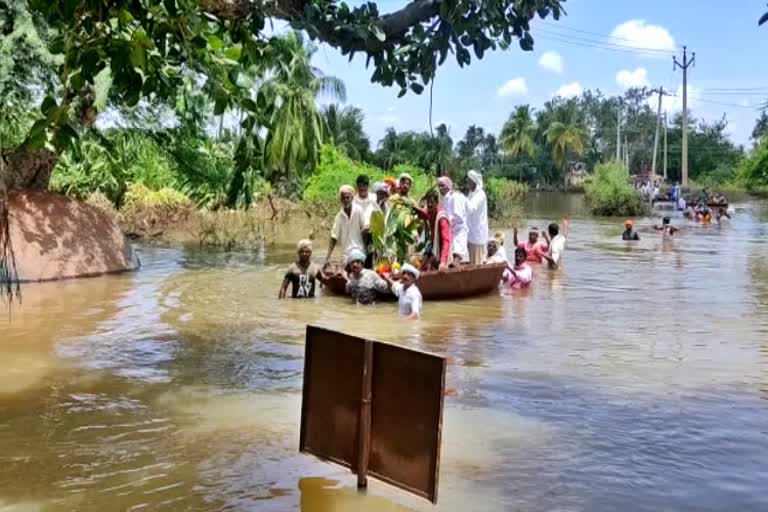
<point x="390" y="109"/>
<point x="514" y="87"/>
<point x="674" y="104"/>
<point x="643" y="36"/>
<point x="569" y="90"/>
<point x="388" y="119"/>
<point x="637" y="78"/>
<point x="551" y="61"/>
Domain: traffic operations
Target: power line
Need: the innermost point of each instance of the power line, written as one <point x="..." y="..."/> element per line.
<point x="736" y="89"/>
<point x="636" y="50"/>
<point x="602" y="36"/>
<point x="607" y="43"/>
<point x="704" y="100"/>
<point x="710" y="92"/>
<point x="628" y="49"/>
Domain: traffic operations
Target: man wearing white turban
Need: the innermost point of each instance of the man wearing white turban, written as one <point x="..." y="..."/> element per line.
<point x="477" y="218"/>
<point x="348" y="227"/>
<point x="456" y="206"/>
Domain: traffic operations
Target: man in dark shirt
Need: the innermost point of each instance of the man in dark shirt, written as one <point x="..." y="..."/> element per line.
<point x="302" y="274"/>
<point x="629" y="231"/>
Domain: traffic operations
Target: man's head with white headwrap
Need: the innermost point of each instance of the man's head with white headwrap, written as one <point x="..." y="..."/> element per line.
<point x="444" y="185"/>
<point x="382" y="191"/>
<point x="475" y="179"/>
<point x="346" y="195"/>
<point x="405" y="182"/>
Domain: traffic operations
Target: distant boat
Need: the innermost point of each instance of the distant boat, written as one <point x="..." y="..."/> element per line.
<point x="669" y="203"/>
<point x="456" y="283"/>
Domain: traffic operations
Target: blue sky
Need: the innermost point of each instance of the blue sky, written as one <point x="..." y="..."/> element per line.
<point x="730" y="54"/>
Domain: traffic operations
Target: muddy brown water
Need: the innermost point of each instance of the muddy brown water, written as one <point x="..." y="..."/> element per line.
<point x="634" y="378"/>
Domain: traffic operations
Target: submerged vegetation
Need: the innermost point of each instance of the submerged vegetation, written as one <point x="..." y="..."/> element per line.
<point x="609" y="193"/>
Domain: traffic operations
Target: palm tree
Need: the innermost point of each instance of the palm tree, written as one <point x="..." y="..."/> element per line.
<point x="566" y="134"/>
<point x="344" y="126"/>
<point x="296" y="131"/>
<point x="518" y="135"/>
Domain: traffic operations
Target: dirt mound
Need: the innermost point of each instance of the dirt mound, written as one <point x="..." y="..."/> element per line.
<point x="55" y="237"/>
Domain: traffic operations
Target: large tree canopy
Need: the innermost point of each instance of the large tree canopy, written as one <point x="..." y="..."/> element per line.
<point x="147" y="49"/>
<point x="145" y="45"/>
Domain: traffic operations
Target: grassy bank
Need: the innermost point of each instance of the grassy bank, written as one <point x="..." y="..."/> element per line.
<point x="168" y="214"/>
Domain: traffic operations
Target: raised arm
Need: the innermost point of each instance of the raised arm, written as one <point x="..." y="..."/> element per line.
<point x="565" y="228"/>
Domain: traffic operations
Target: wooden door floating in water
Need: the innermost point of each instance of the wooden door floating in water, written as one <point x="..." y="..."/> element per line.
<point x="374" y="408"/>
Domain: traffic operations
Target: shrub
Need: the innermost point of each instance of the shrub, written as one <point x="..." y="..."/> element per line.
<point x="609" y="193"/>
<point x="723" y="175"/>
<point x="106" y="164"/>
<point x="753" y="170"/>
<point x="148" y="212"/>
<point x="335" y="169"/>
<point x="505" y="198"/>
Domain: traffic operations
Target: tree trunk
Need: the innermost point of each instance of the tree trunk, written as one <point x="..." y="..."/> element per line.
<point x="28" y="169"/>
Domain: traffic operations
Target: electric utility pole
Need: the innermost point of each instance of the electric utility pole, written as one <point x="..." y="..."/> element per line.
<point x="618" y="134"/>
<point x="684" y="66"/>
<point x="661" y="92"/>
<point x="665" y="146"/>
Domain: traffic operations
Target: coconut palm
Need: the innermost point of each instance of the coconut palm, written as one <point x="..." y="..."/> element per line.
<point x="295" y="135"/>
<point x="566" y="135"/>
<point x="518" y="135"/>
<point x="344" y="126"/>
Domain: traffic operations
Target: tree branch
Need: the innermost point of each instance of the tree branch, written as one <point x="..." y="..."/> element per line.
<point x="394" y="25"/>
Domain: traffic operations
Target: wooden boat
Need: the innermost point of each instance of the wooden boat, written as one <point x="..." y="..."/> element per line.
<point x="711" y="205"/>
<point x="456" y="283"/>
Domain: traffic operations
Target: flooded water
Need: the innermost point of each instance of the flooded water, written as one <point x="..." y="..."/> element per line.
<point x="635" y="378"/>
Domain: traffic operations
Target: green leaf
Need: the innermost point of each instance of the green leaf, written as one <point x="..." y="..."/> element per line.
<point x="65" y="135"/>
<point x="249" y="104"/>
<point x="403" y="49"/>
<point x="402" y="93"/>
<point x="125" y="16"/>
<point x="763" y="19"/>
<point x="76" y="81"/>
<point x="417" y="88"/>
<point x="138" y="56"/>
<point x="233" y="53"/>
<point x="49" y="106"/>
<point x="380" y="35"/>
<point x="214" y="42"/>
<point x="377" y="223"/>
<point x="38" y="134"/>
<point x="220" y="107"/>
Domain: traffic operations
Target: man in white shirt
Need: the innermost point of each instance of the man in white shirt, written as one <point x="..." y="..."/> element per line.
<point x="477" y="218"/>
<point x="456" y="206"/>
<point x="367" y="203"/>
<point x="348" y="227"/>
<point x="556" y="244"/>
<point x="364" y="199"/>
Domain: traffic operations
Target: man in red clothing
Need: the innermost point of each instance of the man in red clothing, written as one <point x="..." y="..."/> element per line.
<point x="438" y="252"/>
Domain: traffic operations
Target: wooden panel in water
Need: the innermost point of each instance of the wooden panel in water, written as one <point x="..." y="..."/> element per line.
<point x="377" y="410"/>
<point x="406" y="418"/>
<point x="330" y="407"/>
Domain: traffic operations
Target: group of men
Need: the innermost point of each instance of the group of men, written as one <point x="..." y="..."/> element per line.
<point x="458" y="223"/>
<point x="457" y="233"/>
